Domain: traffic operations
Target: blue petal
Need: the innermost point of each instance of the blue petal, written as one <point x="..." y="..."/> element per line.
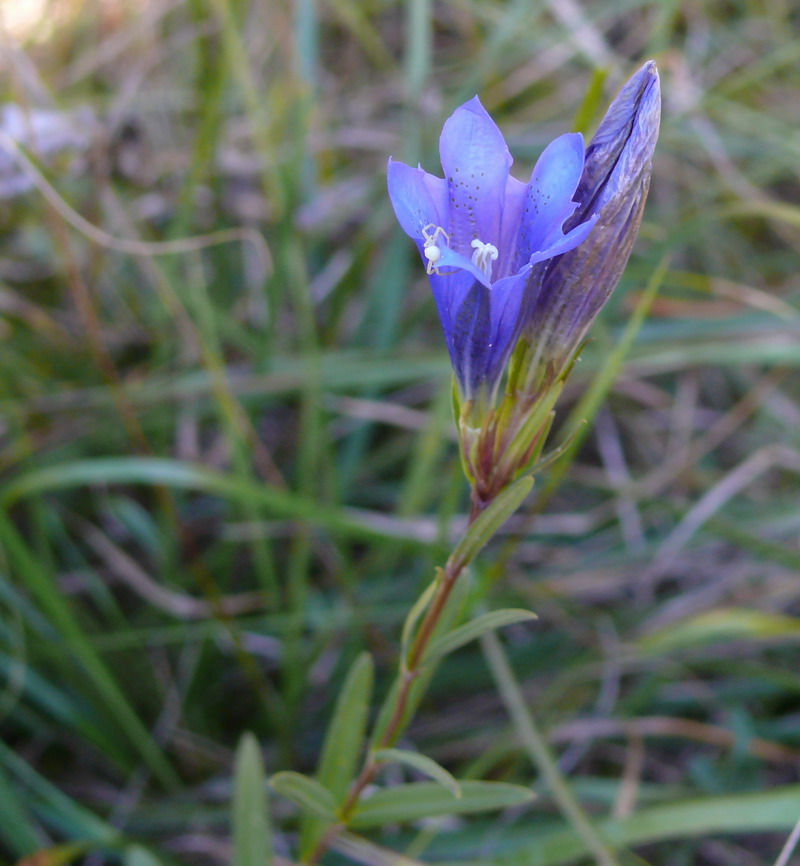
<point x="419" y="199"/>
<point x="476" y="161"/>
<point x="451" y="259"/>
<point x="515" y="199"/>
<point x="483" y="329"/>
<point x="548" y="196"/>
<point x="565" y="243"/>
<point x="461" y="293"/>
<point x="510" y="301"/>
<point x="469" y="330"/>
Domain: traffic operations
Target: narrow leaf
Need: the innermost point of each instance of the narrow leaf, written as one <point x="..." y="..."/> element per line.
<point x="361" y="850"/>
<point x="81" y="822"/>
<point x="305" y="792"/>
<point x="18" y="830"/>
<point x="490" y="520"/>
<point x="756" y="812"/>
<point x="474" y="629"/>
<point x="343" y="743"/>
<point x="137" y="855"/>
<point x="726" y="624"/>
<point x="59" y="855"/>
<point x="345" y="735"/>
<point x="593" y="100"/>
<point x="43" y="586"/>
<point x="428" y="799"/>
<point x="416" y="612"/>
<point x="452" y="612"/>
<point x="189" y="476"/>
<point x="423" y="764"/>
<point x="252" y="835"/>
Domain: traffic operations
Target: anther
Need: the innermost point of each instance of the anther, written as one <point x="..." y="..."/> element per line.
<point x="483" y="256"/>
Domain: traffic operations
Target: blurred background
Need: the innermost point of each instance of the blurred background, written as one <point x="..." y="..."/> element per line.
<point x="226" y="441"/>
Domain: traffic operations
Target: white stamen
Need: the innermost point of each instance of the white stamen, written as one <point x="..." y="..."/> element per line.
<point x="483" y="256"/>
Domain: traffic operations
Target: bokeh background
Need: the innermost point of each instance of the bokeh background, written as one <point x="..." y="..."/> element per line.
<point x="226" y="447"/>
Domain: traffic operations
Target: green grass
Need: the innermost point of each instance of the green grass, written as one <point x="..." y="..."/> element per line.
<point x="223" y="478"/>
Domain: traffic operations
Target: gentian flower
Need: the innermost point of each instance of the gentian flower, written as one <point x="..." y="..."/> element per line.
<point x="520" y="271"/>
<point x="480" y="232"/>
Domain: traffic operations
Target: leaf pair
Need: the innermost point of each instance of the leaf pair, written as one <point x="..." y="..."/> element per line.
<point x="409" y="802"/>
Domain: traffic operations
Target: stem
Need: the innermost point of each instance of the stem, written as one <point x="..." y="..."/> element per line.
<point x="540" y="753"/>
<point x="452" y="571"/>
<point x="410" y="670"/>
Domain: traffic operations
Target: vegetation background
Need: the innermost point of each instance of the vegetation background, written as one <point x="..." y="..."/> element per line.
<point x="228" y="462"/>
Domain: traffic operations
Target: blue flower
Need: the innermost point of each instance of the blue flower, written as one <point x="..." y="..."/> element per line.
<point x="480" y="232"/>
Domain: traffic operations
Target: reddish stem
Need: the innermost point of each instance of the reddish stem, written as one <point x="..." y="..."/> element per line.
<point x="452" y="571"/>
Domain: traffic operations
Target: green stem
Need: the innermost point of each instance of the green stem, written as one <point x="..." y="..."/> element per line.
<point x="398" y="720"/>
<point x="540" y="753"/>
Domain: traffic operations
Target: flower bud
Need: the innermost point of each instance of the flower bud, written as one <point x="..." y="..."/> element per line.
<point x="616" y="177"/>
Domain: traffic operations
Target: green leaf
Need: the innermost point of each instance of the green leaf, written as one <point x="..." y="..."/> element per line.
<point x="186" y="476"/>
<point x="345" y="735"/>
<point x="474" y="629"/>
<point x="58" y="855"/>
<point x="765" y="811"/>
<point x="429" y="799"/>
<point x="137" y="855"/>
<point x="593" y="101"/>
<point x="43" y="586"/>
<point x="425" y="765"/>
<point x="490" y="520"/>
<point x="415" y="613"/>
<point x="722" y="625"/>
<point x="361" y="850"/>
<point x="452" y="612"/>
<point x="343" y="743"/>
<point x="252" y="835"/>
<point x="537" y="425"/>
<point x="17" y="830"/>
<point x="76" y="819"/>
<point x="305" y="792"/>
